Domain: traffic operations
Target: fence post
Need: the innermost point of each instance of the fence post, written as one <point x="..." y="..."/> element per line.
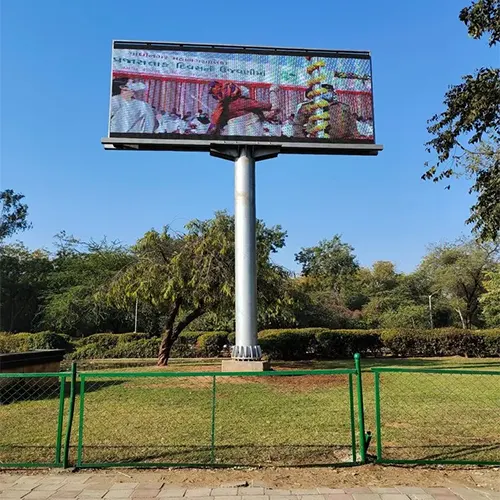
<point x="377" y="416"/>
<point x="214" y="400"/>
<point x="60" y="416"/>
<point x="71" y="411"/>
<point x="361" y="411"/>
<point x="353" y="420"/>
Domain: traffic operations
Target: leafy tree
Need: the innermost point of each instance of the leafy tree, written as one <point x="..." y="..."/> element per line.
<point x="330" y="263"/>
<point x="472" y="112"/>
<point x="490" y="301"/>
<point x="406" y="316"/>
<point x="185" y="276"/>
<point x="80" y="271"/>
<point x="23" y="282"/>
<point x="457" y="271"/>
<point x="14" y="214"/>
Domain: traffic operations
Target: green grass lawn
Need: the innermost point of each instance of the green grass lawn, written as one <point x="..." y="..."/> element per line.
<point x="266" y="420"/>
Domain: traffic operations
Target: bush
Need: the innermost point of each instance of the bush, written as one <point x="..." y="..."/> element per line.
<point x="333" y="344"/>
<point x="22" y="342"/>
<point x="290" y="344"/>
<point x="144" y="348"/>
<point x="18" y="342"/>
<point x="443" y="342"/>
<point x="211" y="343"/>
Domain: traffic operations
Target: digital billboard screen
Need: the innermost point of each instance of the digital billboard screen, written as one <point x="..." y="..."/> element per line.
<point x="187" y="96"/>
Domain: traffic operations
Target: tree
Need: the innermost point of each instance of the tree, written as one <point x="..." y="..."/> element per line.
<point x="80" y="270"/>
<point x="14" y="214"/>
<point x="329" y="263"/>
<point x="457" y="271"/>
<point x="471" y="112"/>
<point x="490" y="301"/>
<point x="185" y="276"/>
<point x="23" y="283"/>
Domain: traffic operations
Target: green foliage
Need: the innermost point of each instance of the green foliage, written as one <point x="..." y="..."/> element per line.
<point x="471" y="112"/>
<point x="333" y="344"/>
<point x="330" y="262"/>
<point x="490" y="301"/>
<point x="23" y="342"/>
<point x="288" y="345"/>
<point x="24" y="277"/>
<point x="483" y="16"/>
<point x="406" y="316"/>
<point x="211" y="344"/>
<point x="443" y="342"/>
<point x="184" y="276"/>
<point x="81" y="270"/>
<point x="145" y="348"/>
<point x="457" y="272"/>
<point x="14" y="214"/>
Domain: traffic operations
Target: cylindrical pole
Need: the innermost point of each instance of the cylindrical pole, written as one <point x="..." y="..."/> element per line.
<point x="246" y="346"/>
<point x="135" y="322"/>
<point x="430" y="312"/>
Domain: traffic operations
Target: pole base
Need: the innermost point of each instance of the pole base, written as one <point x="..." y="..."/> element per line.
<point x="246" y="353"/>
<point x="231" y="365"/>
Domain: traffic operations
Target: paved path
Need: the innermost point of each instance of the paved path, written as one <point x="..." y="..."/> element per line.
<point x="88" y="487"/>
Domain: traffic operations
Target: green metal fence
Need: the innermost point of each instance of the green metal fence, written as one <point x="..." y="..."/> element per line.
<point x="32" y="414"/>
<point x="279" y="418"/>
<point x="437" y="416"/>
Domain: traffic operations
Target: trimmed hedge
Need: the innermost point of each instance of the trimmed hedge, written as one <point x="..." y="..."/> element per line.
<point x="290" y="344"/>
<point x="211" y="344"/>
<point x="443" y="342"/>
<point x="285" y="344"/>
<point x="333" y="344"/>
<point x="22" y="342"/>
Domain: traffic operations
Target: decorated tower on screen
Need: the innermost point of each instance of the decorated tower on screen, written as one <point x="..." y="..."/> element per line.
<point x="319" y="118"/>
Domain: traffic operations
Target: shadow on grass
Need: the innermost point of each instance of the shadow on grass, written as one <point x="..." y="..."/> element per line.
<point x="488" y="452"/>
<point x="42" y="389"/>
<point x="245" y="455"/>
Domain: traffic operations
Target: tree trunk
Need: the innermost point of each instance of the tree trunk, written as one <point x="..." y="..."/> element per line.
<point x="165" y="347"/>
<point x="172" y="334"/>
<point x="461" y="318"/>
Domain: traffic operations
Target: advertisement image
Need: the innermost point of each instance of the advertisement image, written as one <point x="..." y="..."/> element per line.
<point x="224" y="95"/>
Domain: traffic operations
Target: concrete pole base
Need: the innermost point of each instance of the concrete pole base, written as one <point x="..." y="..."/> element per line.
<point x="231" y="365"/>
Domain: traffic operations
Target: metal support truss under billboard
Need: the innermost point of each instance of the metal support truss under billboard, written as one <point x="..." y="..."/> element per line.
<point x="244" y="104"/>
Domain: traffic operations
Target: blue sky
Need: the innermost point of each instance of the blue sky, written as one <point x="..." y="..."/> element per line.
<point x="56" y="58"/>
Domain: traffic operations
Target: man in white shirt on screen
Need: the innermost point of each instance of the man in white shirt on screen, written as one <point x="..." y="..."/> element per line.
<point x="128" y="113"/>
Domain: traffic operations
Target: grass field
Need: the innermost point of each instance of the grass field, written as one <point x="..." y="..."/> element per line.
<point x="275" y="420"/>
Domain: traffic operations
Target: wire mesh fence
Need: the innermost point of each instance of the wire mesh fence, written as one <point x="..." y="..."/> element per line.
<point x="437" y="416"/>
<point x="32" y="418"/>
<point x="189" y="419"/>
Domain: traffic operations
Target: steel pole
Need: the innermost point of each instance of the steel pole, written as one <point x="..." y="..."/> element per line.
<point x="430" y="312"/>
<point x="246" y="345"/>
<point x="135" y="320"/>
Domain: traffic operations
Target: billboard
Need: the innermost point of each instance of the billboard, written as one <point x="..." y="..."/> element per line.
<point x="192" y="97"/>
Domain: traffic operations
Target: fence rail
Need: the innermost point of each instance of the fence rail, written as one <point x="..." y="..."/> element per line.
<point x="437" y="416"/>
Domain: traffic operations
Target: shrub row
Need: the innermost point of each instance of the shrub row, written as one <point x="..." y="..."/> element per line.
<point x="309" y="343"/>
<point x="137" y="345"/>
<point x="21" y="342"/>
<point x="286" y="344"/>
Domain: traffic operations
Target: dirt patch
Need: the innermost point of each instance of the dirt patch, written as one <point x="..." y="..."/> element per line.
<point x="347" y="477"/>
<point x="301" y="383"/>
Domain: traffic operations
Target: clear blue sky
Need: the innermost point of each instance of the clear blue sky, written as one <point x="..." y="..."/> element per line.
<point x="55" y="57"/>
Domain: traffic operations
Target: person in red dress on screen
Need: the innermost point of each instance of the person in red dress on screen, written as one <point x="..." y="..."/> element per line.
<point x="236" y="113"/>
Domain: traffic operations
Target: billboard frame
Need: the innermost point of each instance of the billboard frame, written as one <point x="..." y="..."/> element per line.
<point x="150" y="142"/>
